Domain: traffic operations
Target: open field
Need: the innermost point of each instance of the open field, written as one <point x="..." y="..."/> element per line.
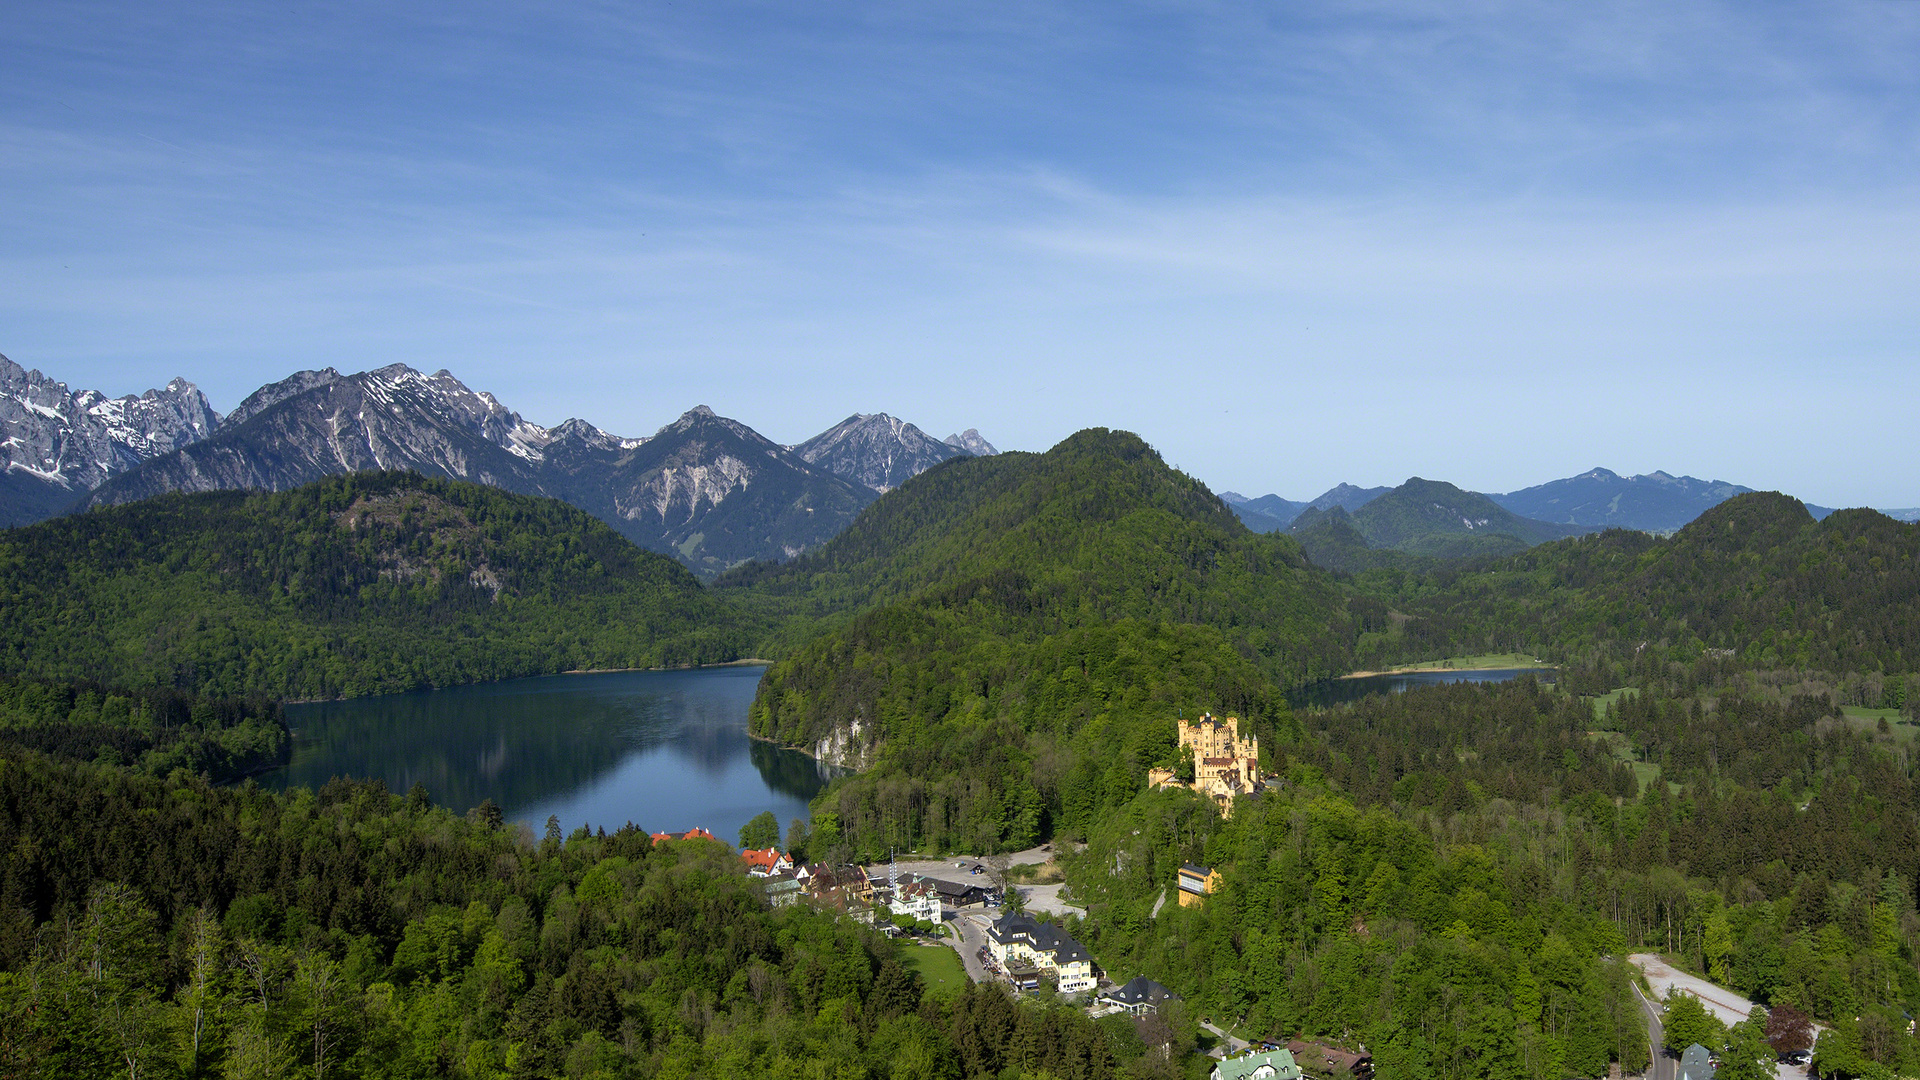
<point x="1644" y="772"/>
<point x="1863" y="719"/>
<point x="1601" y="703"/>
<point x="938" y="965"/>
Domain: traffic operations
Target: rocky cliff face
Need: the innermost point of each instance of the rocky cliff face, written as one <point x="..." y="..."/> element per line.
<point x="877" y="450"/>
<point x="311" y="426"/>
<point x="56" y="445"/>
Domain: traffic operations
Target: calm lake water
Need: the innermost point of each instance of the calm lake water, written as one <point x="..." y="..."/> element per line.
<point x="667" y="750"/>
<point x="1341" y="691"/>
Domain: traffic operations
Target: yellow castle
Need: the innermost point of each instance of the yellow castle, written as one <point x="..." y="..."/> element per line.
<point x="1224" y="764"/>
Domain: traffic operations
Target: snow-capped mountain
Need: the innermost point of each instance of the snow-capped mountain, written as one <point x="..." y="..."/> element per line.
<point x="877" y="450"/>
<point x="707" y="489"/>
<point x="55" y="444"/>
<point x="311" y="425"/>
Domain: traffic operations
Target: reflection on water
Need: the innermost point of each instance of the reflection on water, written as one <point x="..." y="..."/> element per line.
<point x="667" y="750"/>
<point x="1331" y="692"/>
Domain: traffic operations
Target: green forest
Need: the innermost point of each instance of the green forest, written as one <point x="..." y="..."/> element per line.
<point x="1721" y="771"/>
<point x="361" y="584"/>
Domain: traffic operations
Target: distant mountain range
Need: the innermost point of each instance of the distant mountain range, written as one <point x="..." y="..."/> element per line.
<point x="709" y="490"/>
<point x="706" y="489"/>
<point x="1596" y="499"/>
<point x="1271" y="513"/>
<point x="1425" y="518"/>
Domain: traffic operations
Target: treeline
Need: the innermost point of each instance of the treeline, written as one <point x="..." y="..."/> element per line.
<point x="169" y="928"/>
<point x="155" y="730"/>
<point x="1754" y="580"/>
<point x="359" y="584"/>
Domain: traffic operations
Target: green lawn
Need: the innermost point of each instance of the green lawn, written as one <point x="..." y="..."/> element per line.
<point x="1645" y="772"/>
<point x="938" y="965"/>
<point x="1600" y="703"/>
<point x="1869" y="720"/>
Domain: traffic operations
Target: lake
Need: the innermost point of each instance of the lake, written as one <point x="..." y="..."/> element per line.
<point x="667" y="750"/>
<point x="1329" y="692"/>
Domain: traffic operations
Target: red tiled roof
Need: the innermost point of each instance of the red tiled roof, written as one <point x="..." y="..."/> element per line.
<point x="691" y="834"/>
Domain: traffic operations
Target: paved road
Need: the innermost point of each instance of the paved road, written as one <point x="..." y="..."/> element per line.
<point x="1232" y="1045"/>
<point x="972" y="925"/>
<point x="1728" y="1006"/>
<point x="1045" y="900"/>
<point x="1663" y="1067"/>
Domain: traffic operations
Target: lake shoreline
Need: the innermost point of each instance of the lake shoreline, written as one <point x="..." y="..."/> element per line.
<point x="1424" y="670"/>
<point x="745" y="662"/>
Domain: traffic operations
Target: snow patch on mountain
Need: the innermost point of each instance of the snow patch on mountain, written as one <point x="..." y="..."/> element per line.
<point x="78" y="440"/>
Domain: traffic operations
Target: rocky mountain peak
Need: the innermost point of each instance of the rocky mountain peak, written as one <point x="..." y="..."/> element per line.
<point x="875" y="450"/>
<point x="971" y="442"/>
<point x="274" y="393"/>
<point x="76" y="441"/>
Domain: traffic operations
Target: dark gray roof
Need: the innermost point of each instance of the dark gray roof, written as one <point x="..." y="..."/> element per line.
<point x="1198" y="871"/>
<point x="1694" y="1064"/>
<point x="1140" y="990"/>
<point x="1044" y="937"/>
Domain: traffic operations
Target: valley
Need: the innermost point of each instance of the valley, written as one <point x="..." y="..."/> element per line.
<point x="994" y="650"/>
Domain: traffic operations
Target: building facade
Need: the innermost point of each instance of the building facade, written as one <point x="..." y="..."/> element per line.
<point x="1019" y="940"/>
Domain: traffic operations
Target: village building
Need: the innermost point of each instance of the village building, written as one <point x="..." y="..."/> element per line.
<point x="1272" y="1065"/>
<point x="761" y="863"/>
<point x="1696" y="1063"/>
<point x="1196" y="884"/>
<point x="954" y="894"/>
<point x="690" y="834"/>
<point x="1226" y="765"/>
<point x="1139" y="996"/>
<point x="1018" y="941"/>
<point x="783" y="890"/>
<point x="916" y="898"/>
<point x="844" y="888"/>
<point x="1319" y="1059"/>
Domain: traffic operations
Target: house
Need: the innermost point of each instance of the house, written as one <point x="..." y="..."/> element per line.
<point x="843" y="887"/>
<point x="762" y="863"/>
<point x="1320" y="1059"/>
<point x="1140" y="996"/>
<point x="690" y="834"/>
<point x="915" y="898"/>
<point x="1696" y="1063"/>
<point x="954" y="894"/>
<point x="1272" y="1065"/>
<point x="783" y="890"/>
<point x="1019" y="940"/>
<point x="1196" y="884"/>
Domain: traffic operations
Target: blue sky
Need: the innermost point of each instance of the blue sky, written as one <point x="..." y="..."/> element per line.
<point x="1290" y="245"/>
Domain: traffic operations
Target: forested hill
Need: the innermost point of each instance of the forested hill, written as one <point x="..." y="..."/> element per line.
<point x="1022" y="627"/>
<point x="358" y="584"/>
<point x="1756" y="580"/>
<point x="1100" y="524"/>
